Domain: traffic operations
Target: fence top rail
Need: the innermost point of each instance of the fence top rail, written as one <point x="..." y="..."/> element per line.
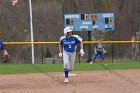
<point x="85" y="42"/>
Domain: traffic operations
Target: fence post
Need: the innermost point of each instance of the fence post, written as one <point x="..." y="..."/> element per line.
<point x="89" y="45"/>
<point x="112" y="51"/>
<point x="79" y="58"/>
<point x="42" y="55"/>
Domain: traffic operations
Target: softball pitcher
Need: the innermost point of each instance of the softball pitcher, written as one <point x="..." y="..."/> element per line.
<point x="99" y="50"/>
<point x="68" y="43"/>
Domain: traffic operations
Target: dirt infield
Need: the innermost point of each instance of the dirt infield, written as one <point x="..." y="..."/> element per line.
<point x="111" y="81"/>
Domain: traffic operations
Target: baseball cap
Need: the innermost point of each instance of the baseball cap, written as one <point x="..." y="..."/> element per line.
<point x="67" y="29"/>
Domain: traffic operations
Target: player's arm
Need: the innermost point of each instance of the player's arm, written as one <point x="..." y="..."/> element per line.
<point x="80" y="40"/>
<point x="81" y="49"/>
<point x="81" y="45"/>
<point x="104" y="51"/>
<point x="95" y="50"/>
<point x="60" y="48"/>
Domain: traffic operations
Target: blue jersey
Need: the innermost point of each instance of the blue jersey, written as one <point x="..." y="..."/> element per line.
<point x="70" y="44"/>
<point x="2" y="46"/>
<point x="99" y="47"/>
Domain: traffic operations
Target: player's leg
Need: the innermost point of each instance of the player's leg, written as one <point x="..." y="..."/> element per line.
<point x="103" y="58"/>
<point x="94" y="57"/>
<point x="72" y="60"/>
<point x="5" y="56"/>
<point x="66" y="65"/>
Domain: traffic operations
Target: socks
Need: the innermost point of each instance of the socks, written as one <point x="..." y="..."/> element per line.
<point x="104" y="61"/>
<point x="66" y="71"/>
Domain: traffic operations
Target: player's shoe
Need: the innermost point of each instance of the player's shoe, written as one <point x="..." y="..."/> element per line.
<point x="6" y="58"/>
<point x="66" y="80"/>
<point x="91" y="62"/>
<point x="105" y="64"/>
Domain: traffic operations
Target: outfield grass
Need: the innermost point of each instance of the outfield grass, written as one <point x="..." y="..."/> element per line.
<point x="43" y="68"/>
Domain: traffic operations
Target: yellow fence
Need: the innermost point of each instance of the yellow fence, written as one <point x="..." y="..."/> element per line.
<point x="85" y="42"/>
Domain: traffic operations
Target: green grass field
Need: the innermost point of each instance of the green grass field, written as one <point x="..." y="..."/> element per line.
<point x="43" y="68"/>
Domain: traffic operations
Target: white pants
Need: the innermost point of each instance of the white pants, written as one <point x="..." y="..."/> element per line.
<point x="68" y="59"/>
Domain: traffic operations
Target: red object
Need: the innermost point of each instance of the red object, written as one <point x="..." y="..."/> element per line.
<point x="0" y="33"/>
<point x="14" y="2"/>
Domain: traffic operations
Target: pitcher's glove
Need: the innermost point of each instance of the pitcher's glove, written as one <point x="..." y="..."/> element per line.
<point x="5" y="58"/>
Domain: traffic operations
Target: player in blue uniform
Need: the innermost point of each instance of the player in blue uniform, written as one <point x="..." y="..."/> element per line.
<point x="5" y="56"/>
<point x="99" y="50"/>
<point x="67" y="48"/>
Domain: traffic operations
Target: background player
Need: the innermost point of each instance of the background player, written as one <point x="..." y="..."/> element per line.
<point x="69" y="43"/>
<point x="5" y="56"/>
<point x="99" y="50"/>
